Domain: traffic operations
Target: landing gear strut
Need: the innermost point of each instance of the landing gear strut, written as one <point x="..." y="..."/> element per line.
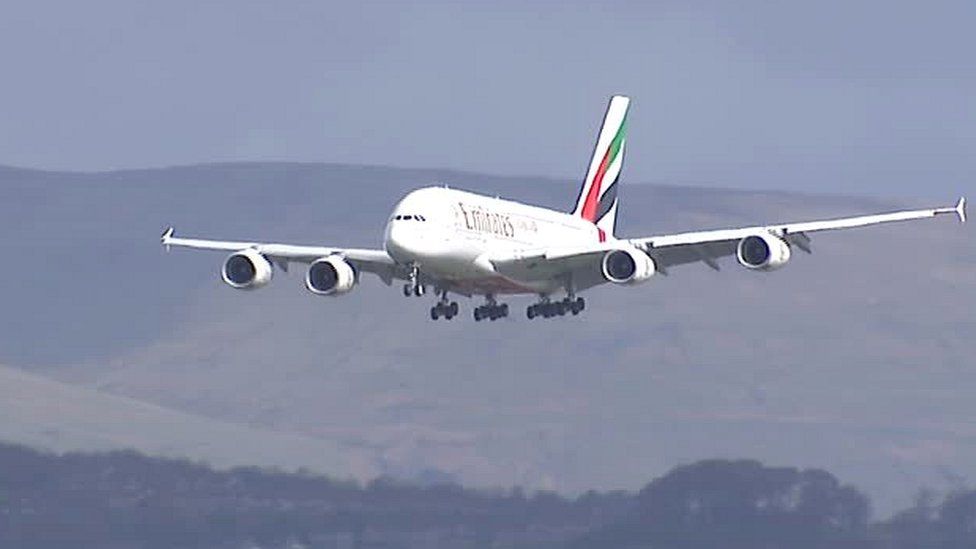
<point x="549" y="309"/>
<point x="490" y="310"/>
<point x="444" y="308"/>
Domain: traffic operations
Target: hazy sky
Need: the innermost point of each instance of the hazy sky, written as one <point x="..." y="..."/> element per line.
<point x="871" y="97"/>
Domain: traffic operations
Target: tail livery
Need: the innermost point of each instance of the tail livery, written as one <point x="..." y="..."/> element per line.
<point x="598" y="197"/>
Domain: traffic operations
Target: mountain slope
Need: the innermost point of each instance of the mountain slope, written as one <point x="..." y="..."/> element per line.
<point x="858" y="358"/>
<point x="47" y="414"/>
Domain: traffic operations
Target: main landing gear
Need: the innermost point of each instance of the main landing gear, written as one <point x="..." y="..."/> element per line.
<point x="444" y="308"/>
<point x="491" y="310"/>
<point x="549" y="309"/>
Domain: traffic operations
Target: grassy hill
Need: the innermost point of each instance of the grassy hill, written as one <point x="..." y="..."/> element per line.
<point x="858" y="358"/>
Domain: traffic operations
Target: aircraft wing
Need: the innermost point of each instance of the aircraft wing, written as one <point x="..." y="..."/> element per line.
<point x="706" y="246"/>
<point x="582" y="263"/>
<point x="374" y="261"/>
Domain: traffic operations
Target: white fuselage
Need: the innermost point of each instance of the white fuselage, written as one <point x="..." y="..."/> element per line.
<point x="451" y="235"/>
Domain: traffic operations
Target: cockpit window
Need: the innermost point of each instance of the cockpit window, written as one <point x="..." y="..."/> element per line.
<point x="409" y="218"/>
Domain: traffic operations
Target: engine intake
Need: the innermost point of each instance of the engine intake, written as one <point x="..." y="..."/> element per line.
<point x="330" y="276"/>
<point x="763" y="252"/>
<point x="246" y="270"/>
<point x="627" y="266"/>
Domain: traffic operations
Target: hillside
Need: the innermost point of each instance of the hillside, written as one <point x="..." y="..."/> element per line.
<point x="43" y="413"/>
<point x="858" y="358"/>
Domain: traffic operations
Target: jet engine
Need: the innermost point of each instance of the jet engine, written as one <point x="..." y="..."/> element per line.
<point x="246" y="270"/>
<point x="627" y="266"/>
<point x="330" y="276"/>
<point x="763" y="252"/>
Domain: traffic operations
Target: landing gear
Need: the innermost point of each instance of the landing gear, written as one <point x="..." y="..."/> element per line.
<point x="549" y="309"/>
<point x="444" y="308"/>
<point x="413" y="287"/>
<point x="491" y="310"/>
<point x="414" y="290"/>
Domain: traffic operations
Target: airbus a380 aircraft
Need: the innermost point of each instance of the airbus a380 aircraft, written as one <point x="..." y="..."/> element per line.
<point x="469" y="244"/>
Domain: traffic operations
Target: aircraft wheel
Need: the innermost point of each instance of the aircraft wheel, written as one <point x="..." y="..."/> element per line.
<point x="477" y="314"/>
<point x="453" y="307"/>
<point x="407" y="290"/>
<point x="581" y="304"/>
<point x="504" y="309"/>
<point x="434" y="313"/>
<point x="530" y="312"/>
<point x="419" y="290"/>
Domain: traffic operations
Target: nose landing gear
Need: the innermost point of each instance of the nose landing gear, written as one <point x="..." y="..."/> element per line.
<point x="417" y="290"/>
<point x="413" y="287"/>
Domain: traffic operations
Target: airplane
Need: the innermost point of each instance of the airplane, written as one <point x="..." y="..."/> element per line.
<point x="462" y="243"/>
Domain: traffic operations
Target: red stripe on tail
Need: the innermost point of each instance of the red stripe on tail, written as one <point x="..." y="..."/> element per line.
<point x="592" y="197"/>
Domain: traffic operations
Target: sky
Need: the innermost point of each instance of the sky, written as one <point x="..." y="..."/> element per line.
<point x="862" y="97"/>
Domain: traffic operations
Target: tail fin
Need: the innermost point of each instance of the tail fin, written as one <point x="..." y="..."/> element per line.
<point x="598" y="197"/>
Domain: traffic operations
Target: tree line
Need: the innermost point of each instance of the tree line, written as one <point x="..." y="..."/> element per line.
<point x="123" y="499"/>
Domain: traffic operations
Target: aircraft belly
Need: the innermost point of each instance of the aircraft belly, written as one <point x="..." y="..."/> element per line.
<point x="465" y="269"/>
<point x="499" y="285"/>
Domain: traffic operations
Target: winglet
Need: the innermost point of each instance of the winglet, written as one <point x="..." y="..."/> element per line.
<point x="166" y="236"/>
<point x="961" y="209"/>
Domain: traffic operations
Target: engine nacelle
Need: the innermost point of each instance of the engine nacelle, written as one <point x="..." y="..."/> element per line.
<point x="330" y="276"/>
<point x="246" y="270"/>
<point x="763" y="252"/>
<point x="627" y="266"/>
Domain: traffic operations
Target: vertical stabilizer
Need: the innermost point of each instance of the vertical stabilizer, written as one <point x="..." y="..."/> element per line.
<point x="598" y="197"/>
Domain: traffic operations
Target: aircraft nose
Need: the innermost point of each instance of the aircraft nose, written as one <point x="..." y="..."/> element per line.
<point x="404" y="244"/>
